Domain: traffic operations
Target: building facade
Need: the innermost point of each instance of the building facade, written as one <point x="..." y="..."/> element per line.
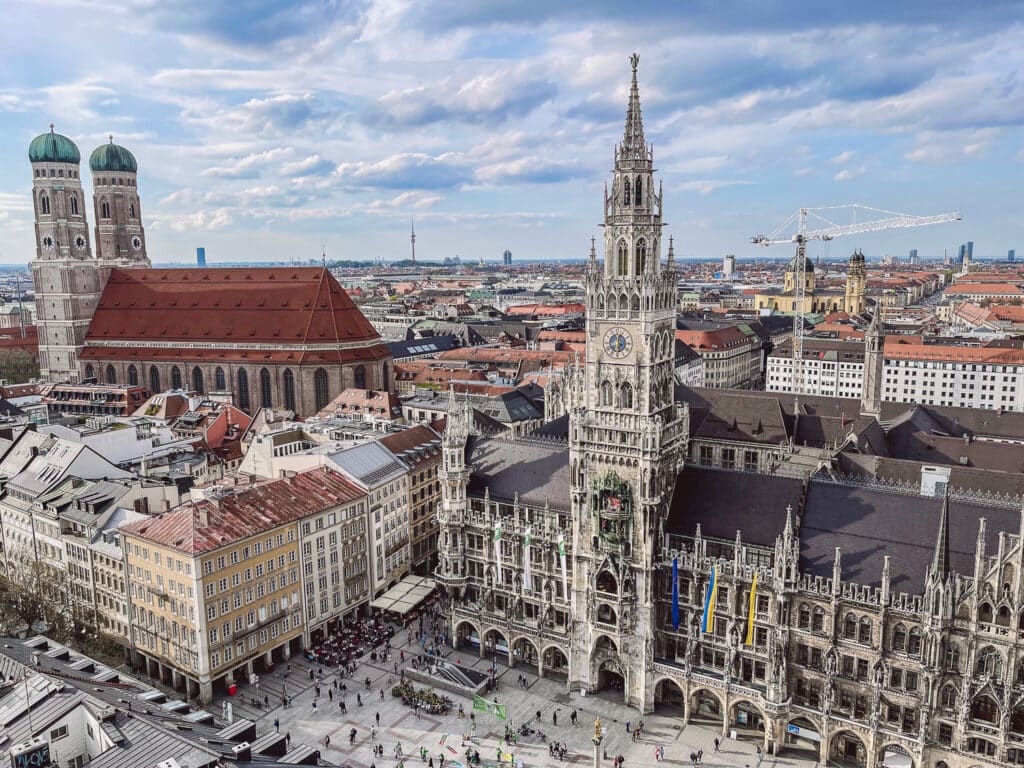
<point x="860" y="624"/>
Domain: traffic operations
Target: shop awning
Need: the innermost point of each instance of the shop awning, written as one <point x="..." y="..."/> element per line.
<point x="405" y="595"/>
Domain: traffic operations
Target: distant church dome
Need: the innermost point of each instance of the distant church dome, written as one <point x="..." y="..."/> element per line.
<point x="792" y="266"/>
<point x="112" y="158"/>
<point x="53" y="148"/>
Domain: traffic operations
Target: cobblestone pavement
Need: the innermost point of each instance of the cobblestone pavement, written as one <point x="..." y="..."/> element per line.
<point x="442" y="734"/>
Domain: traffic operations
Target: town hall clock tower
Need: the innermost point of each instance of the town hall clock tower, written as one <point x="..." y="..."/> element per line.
<point x="627" y="434"/>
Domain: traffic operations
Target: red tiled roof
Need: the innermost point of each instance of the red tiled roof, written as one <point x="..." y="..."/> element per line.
<point x="1001" y="355"/>
<point x="719" y="338"/>
<point x="290" y="306"/>
<point x="246" y="513"/>
<point x="977" y="289"/>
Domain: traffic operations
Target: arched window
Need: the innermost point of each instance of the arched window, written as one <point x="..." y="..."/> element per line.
<point x="989" y="663"/>
<point x="606" y="393"/>
<point x="638" y="198"/>
<point x="948" y="697"/>
<point x="635" y="304"/>
<point x="641" y="255"/>
<point x="623" y="257"/>
<point x="197" y="380"/>
<point x="864" y="631"/>
<point x="154" y="379"/>
<point x="44" y="204"/>
<point x="359" y="377"/>
<point x="74" y="205"/>
<point x="952" y="657"/>
<point x="90" y="372"/>
<point x="131" y="209"/>
<point x="914" y="644"/>
<point x="176" y="378"/>
<point x="242" y="380"/>
<point x="219" y="381"/>
<point x="899" y="638"/>
<point x="818" y="619"/>
<point x="289" y="389"/>
<point x="626" y="186"/>
<point x="266" y="398"/>
<point x="111" y="375"/>
<point x="626" y="399"/>
<point x="104" y="209"/>
<point x="804" y="616"/>
<point x="320" y="392"/>
<point x="613" y="304"/>
<point x="985" y="613"/>
<point x="850" y="627"/>
<point x="133" y="375"/>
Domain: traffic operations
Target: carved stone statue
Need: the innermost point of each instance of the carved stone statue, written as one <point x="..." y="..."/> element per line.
<point x="598" y="731"/>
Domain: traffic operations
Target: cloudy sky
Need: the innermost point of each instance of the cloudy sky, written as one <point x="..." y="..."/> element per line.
<point x="266" y="130"/>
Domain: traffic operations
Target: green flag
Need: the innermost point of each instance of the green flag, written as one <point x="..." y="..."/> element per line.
<point x="480" y="704"/>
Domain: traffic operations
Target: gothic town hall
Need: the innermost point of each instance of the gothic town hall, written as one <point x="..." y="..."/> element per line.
<point x="727" y="555"/>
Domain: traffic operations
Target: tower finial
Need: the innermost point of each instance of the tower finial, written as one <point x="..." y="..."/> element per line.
<point x="111" y="137"/>
<point x="51" y="127"/>
<point x="633" y="140"/>
<point x="593" y="249"/>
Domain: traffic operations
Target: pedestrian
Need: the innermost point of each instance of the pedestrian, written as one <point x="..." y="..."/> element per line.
<point x="352" y="736"/>
<point x="700" y="756"/>
<point x="277" y="725"/>
<point x="359" y="700"/>
<point x="538" y="717"/>
<point x="266" y="701"/>
<point x="330" y="695"/>
<point x="693" y="758"/>
<point x="344" y="709"/>
<point x="717" y="744"/>
<point x="430" y="763"/>
<point x="311" y="674"/>
<point x="314" y="705"/>
<point x="288" y="737"/>
<point x="573" y="717"/>
<point x="327" y="741"/>
<point x="377" y="715"/>
<point x="628" y="729"/>
<point x="554" y="718"/>
<point x="382" y="694"/>
<point x="442" y="760"/>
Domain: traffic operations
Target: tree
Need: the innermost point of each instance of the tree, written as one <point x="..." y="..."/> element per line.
<point x="17" y="365"/>
<point x="37" y="596"/>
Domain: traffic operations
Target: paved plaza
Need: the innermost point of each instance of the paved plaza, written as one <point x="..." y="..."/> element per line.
<point x="442" y="734"/>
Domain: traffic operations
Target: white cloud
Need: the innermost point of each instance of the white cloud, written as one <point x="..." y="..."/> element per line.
<point x="843" y="157"/>
<point x="249" y="166"/>
<point x="850" y="173"/>
<point x="203" y="220"/>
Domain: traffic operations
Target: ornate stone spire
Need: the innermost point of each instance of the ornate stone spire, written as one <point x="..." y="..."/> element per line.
<point x="940" y="559"/>
<point x="633" y="144"/>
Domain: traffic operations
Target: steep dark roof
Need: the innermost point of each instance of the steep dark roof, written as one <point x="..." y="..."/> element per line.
<point x="537" y="471"/>
<point x="743" y="417"/>
<point x="722" y="502"/>
<point x="871" y="523"/>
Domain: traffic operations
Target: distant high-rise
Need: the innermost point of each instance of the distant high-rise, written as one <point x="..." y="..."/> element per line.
<point x="200" y="257"/>
<point x="1011" y="255"/>
<point x="970" y="250"/>
<point x="728" y="266"/>
<point x="412" y="240"/>
<point x="506" y="258"/>
<point x="913" y="257"/>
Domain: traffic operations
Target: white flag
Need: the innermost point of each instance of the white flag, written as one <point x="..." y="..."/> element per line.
<point x="527" y="578"/>
<point x="561" y="558"/>
<point x="497" y="547"/>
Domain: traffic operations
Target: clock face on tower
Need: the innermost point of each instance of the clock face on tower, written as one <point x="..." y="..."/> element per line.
<point x="79" y="242"/>
<point x="618" y="343"/>
<point x="47" y="241"/>
<point x="136" y="242"/>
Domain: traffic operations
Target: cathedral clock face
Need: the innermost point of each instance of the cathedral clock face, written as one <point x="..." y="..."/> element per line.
<point x="79" y="242"/>
<point x="618" y="343"/>
<point x="47" y="241"/>
<point x="137" y="242"/>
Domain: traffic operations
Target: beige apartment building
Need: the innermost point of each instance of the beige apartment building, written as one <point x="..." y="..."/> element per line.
<point x="216" y="585"/>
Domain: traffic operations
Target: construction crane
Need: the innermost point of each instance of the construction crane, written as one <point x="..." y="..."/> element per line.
<point x="828" y="230"/>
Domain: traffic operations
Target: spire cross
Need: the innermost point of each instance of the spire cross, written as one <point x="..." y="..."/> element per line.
<point x="51" y="127"/>
<point x="111" y="137"/>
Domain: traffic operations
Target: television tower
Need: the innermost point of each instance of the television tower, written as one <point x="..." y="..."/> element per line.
<point x="412" y="241"/>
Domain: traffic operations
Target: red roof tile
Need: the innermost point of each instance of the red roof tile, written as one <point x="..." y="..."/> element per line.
<point x="291" y="306"/>
<point x="246" y="513"/>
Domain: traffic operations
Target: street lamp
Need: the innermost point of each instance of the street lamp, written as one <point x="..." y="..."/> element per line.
<point x="598" y="738"/>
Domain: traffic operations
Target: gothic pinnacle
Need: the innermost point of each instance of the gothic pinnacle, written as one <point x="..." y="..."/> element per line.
<point x="633" y="139"/>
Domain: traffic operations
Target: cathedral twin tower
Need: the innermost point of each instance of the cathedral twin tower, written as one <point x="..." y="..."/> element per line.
<point x="68" y="279"/>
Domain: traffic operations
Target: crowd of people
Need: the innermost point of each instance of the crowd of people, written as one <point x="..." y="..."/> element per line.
<point x="350" y="641"/>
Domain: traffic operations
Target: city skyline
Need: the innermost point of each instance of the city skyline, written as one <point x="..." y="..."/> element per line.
<point x="269" y="134"/>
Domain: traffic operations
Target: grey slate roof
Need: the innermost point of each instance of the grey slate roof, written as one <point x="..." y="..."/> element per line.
<point x="536" y="470"/>
<point x="871" y="523"/>
<point x="723" y="502"/>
